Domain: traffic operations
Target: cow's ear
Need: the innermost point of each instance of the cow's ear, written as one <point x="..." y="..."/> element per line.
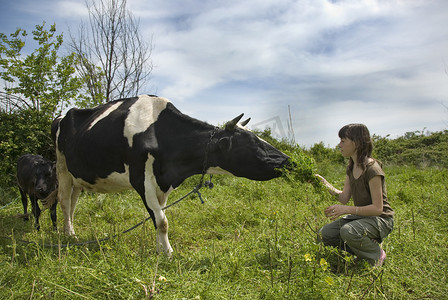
<point x="225" y="144"/>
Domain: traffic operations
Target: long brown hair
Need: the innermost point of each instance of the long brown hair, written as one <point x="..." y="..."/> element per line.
<point x="360" y="135"/>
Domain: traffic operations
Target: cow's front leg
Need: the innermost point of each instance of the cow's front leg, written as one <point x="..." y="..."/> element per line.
<point x="154" y="199"/>
<point x="162" y="227"/>
<point x="162" y="234"/>
<point x="160" y="221"/>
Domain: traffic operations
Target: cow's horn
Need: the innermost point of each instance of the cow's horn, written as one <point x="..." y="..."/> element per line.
<point x="244" y="123"/>
<point x="230" y="125"/>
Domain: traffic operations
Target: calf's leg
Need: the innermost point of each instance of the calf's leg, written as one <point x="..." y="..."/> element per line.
<point x="24" y="203"/>
<point x="53" y="216"/>
<point x="36" y="211"/>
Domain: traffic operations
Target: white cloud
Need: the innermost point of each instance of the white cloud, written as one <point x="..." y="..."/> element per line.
<point x="322" y="57"/>
<point x="52" y="11"/>
<point x="234" y="42"/>
<point x="73" y="10"/>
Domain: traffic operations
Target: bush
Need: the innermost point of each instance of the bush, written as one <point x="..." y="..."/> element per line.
<point x="322" y="154"/>
<point x="22" y="132"/>
<point x="413" y="149"/>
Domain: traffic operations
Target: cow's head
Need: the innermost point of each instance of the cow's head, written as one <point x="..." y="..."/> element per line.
<point x="242" y="153"/>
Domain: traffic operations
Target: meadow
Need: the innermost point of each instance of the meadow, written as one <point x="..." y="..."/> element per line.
<point x="249" y="240"/>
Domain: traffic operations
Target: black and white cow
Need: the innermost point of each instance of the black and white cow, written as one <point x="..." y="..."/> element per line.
<point x="36" y="177"/>
<point x="145" y="143"/>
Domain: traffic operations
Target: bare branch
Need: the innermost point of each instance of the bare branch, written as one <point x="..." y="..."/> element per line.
<point x="10" y="103"/>
<point x="114" y="45"/>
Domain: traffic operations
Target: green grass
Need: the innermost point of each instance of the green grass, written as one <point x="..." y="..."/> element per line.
<point x="250" y="240"/>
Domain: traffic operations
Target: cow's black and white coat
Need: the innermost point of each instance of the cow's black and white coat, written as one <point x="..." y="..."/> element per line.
<point x="145" y="143"/>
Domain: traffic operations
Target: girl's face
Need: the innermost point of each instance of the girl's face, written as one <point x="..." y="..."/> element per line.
<point x="347" y="147"/>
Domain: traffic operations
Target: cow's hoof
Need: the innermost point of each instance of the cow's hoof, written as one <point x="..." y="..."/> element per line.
<point x="70" y="233"/>
<point x="167" y="252"/>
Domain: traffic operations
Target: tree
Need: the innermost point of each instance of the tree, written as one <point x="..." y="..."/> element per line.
<point x="42" y="80"/>
<point x="37" y="87"/>
<point x="113" y="57"/>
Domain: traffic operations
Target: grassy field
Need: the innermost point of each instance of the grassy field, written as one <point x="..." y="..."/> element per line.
<point x="250" y="240"/>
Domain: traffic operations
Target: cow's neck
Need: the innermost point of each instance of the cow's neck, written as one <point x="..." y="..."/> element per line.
<point x="189" y="155"/>
<point x="195" y="152"/>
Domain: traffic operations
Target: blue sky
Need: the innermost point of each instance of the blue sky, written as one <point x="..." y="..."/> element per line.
<point x="379" y="62"/>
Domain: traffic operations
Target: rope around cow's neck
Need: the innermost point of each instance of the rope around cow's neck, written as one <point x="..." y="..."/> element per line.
<point x="201" y="183"/>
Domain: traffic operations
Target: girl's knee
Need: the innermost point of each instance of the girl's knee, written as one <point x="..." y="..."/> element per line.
<point x="328" y="237"/>
<point x="348" y="233"/>
<point x="323" y="234"/>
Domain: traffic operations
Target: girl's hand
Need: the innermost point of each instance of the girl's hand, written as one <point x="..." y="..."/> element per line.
<point x="328" y="185"/>
<point x="321" y="178"/>
<point x="335" y="211"/>
<point x="324" y="181"/>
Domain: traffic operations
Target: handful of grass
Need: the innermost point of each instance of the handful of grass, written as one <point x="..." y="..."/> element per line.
<point x="302" y="168"/>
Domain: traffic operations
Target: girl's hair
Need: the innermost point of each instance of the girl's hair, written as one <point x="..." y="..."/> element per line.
<point x="360" y="135"/>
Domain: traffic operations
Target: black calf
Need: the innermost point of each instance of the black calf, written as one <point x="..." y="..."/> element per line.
<point x="36" y="177"/>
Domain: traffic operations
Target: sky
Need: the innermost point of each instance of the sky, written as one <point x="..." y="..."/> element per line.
<point x="303" y="68"/>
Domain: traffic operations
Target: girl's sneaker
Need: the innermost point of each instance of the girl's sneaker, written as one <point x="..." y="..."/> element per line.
<point x="381" y="260"/>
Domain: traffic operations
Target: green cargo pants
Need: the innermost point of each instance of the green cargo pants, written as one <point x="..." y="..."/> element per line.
<point x="360" y="236"/>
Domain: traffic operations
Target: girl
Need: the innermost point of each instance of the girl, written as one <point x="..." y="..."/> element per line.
<point x="364" y="225"/>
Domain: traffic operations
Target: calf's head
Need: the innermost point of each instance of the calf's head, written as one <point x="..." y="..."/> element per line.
<point x="243" y="154"/>
<point x="45" y="178"/>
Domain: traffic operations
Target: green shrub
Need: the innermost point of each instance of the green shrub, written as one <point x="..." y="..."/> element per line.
<point x="22" y="132"/>
<point x="414" y="149"/>
<point x="324" y="154"/>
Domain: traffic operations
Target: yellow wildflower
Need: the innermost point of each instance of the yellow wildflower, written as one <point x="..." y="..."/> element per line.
<point x="308" y="257"/>
<point x="323" y="264"/>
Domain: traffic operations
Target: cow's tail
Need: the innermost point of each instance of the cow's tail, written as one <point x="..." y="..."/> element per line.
<point x="54" y="128"/>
